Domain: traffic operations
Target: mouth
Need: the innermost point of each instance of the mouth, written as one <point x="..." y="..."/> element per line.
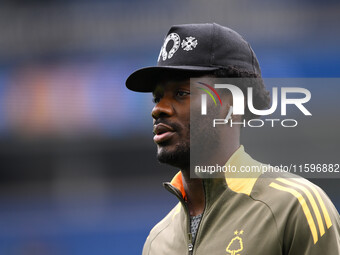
<point x="162" y="133"/>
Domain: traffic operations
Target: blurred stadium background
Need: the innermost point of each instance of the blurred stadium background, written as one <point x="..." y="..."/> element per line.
<point x="78" y="173"/>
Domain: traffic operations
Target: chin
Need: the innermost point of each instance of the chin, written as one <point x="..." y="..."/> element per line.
<point x="177" y="156"/>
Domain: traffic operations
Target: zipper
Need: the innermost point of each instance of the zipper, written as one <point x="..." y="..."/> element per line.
<point x="178" y="194"/>
<point x="199" y="224"/>
<point x="190" y="245"/>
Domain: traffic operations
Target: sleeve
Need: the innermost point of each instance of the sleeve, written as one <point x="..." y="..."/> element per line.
<point x="154" y="241"/>
<point x="146" y="248"/>
<point x="313" y="226"/>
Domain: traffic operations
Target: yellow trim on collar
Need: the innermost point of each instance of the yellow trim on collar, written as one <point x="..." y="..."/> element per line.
<point x="241" y="159"/>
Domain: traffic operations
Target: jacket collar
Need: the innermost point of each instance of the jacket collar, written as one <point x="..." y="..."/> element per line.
<point x="215" y="186"/>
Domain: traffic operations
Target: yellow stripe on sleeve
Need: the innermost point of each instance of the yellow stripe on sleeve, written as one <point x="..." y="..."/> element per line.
<point x="304" y="206"/>
<point x="311" y="200"/>
<point x="322" y="204"/>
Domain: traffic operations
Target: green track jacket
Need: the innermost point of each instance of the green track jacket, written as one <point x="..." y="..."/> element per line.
<point x="255" y="216"/>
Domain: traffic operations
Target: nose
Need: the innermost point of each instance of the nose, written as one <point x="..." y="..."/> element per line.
<point x="163" y="108"/>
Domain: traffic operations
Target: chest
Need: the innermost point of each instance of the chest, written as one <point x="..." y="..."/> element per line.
<point x="237" y="229"/>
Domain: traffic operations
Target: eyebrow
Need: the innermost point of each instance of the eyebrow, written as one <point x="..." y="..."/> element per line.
<point x="158" y="89"/>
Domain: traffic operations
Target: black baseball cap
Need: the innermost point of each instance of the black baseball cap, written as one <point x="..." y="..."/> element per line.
<point x="196" y="48"/>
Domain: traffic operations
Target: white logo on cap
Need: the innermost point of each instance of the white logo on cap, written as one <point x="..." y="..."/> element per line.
<point x="171" y="37"/>
<point x="189" y="43"/>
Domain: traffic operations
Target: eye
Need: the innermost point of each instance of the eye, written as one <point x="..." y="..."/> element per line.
<point x="156" y="100"/>
<point x="182" y="93"/>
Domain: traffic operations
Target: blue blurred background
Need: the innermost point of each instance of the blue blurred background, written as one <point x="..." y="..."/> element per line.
<point x="78" y="173"/>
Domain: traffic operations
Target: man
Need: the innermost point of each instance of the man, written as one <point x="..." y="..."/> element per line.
<point x="224" y="215"/>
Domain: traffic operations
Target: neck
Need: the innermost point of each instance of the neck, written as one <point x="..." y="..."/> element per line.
<point x="194" y="188"/>
<point x="195" y="193"/>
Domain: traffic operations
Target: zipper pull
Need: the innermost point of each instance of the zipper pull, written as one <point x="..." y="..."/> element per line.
<point x="190" y="245"/>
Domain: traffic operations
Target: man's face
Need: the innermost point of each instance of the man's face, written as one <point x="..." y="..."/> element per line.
<point x="171" y="116"/>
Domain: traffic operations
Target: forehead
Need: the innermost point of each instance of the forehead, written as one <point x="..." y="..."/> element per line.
<point x="175" y="82"/>
<point x="169" y="85"/>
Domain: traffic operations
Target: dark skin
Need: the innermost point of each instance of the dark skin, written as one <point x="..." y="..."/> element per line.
<point x="172" y="108"/>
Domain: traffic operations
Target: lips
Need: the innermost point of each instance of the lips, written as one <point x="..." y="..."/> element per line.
<point x="162" y="132"/>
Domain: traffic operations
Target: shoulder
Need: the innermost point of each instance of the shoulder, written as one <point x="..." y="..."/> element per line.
<point x="165" y="221"/>
<point x="161" y="226"/>
<point x="302" y="210"/>
<point x="291" y="191"/>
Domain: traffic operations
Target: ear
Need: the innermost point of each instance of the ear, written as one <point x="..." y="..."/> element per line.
<point x="235" y="117"/>
<point x="227" y="102"/>
<point x="229" y="114"/>
<point x="227" y="98"/>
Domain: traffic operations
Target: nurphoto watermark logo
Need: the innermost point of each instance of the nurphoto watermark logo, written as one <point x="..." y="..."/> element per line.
<point x="287" y="124"/>
<point x="296" y="96"/>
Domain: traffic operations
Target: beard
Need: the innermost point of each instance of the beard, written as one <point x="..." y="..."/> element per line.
<point x="205" y="142"/>
<point x="176" y="155"/>
<point x="180" y="157"/>
<point x="196" y="147"/>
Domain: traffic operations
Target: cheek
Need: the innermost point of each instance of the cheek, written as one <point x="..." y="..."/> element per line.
<point x="195" y="101"/>
<point x="184" y="122"/>
<point x="183" y="111"/>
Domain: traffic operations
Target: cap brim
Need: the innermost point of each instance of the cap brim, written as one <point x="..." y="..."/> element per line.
<point x="145" y="79"/>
